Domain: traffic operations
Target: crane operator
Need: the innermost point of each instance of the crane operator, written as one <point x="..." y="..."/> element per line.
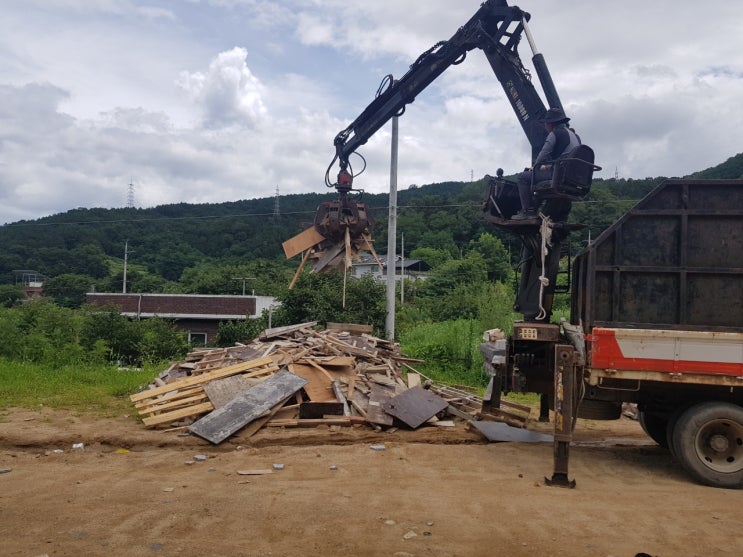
<point x="560" y="141"/>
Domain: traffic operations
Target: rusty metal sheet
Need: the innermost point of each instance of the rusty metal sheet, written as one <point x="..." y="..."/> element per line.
<point x="415" y="406"/>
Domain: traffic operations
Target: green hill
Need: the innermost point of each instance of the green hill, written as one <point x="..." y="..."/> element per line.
<point x="167" y="240"/>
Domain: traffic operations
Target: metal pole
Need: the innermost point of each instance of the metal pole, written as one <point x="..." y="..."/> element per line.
<point x="244" y="279"/>
<point x="126" y="256"/>
<point x="392" y="236"/>
<point x="402" y="267"/>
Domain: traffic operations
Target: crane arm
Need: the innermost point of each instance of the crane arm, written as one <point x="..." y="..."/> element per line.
<point x="496" y="29"/>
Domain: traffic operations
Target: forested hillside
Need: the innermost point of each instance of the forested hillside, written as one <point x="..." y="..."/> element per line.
<point x="169" y="246"/>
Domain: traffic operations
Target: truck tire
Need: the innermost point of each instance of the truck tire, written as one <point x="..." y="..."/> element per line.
<point x="708" y="442"/>
<point x="655" y="426"/>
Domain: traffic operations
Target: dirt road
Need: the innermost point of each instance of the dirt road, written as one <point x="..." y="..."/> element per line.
<point x="432" y="492"/>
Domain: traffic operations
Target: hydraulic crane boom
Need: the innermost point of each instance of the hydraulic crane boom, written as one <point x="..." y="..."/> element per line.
<point x="496" y="29"/>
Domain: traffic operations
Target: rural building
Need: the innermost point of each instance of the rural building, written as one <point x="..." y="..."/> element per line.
<point x="198" y="315"/>
<point x="410" y="269"/>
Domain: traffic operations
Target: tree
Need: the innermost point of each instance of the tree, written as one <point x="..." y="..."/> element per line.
<point x="68" y="290"/>
<point x="319" y="297"/>
<point x="10" y="295"/>
<point x="495" y="255"/>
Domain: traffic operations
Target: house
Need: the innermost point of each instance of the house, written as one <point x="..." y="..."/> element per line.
<point x="31" y="281"/>
<point x="410" y="269"/>
<point x="198" y="315"/>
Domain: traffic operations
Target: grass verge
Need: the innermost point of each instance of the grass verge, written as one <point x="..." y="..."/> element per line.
<point x="98" y="388"/>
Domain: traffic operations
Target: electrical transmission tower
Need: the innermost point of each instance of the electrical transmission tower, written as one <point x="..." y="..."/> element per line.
<point x="130" y="195"/>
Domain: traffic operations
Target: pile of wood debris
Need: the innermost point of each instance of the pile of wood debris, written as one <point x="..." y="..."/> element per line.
<point x="298" y="376"/>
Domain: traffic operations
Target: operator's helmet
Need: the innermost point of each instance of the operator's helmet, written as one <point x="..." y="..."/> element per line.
<point x="555" y="116"/>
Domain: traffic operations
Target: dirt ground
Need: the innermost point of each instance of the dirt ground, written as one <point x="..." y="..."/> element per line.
<point x="432" y="492"/>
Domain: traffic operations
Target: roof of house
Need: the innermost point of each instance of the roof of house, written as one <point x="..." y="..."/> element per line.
<point x="178" y="306"/>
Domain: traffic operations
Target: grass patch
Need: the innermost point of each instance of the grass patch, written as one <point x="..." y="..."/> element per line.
<point x="450" y="350"/>
<point x="98" y="388"/>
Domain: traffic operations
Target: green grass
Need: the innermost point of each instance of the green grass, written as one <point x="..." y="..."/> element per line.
<point x="450" y="351"/>
<point x="98" y="388"/>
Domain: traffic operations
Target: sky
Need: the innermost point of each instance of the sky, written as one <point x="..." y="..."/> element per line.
<point x="105" y="102"/>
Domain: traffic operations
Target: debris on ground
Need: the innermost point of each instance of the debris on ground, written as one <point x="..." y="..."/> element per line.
<point x="299" y="376"/>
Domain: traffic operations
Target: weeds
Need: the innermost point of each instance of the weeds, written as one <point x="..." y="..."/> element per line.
<point x="101" y="388"/>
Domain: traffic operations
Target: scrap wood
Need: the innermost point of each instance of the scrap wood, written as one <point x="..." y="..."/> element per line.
<point x="253" y="427"/>
<point x="364" y="369"/>
<point x="217" y="374"/>
<point x="187" y="412"/>
<point x="246" y="407"/>
<point x="341" y="421"/>
<point x="349" y="327"/>
<point x="287" y="330"/>
<point x="303" y="241"/>
<point x="318" y="387"/>
<point x="173" y="404"/>
<point x="415" y="406"/>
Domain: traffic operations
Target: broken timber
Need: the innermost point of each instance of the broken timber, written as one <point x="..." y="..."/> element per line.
<point x="348" y="377"/>
<point x="246" y="407"/>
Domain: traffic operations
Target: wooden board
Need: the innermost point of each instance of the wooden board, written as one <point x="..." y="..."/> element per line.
<point x="280" y="331"/>
<point x="308" y="410"/>
<point x="350" y="327"/>
<point x="187" y="412"/>
<point x="222" y="391"/>
<point x="253" y="403"/>
<point x="375" y="412"/>
<point x="203" y="378"/>
<point x="415" y="406"/>
<point x="319" y="388"/>
<point x="303" y="241"/>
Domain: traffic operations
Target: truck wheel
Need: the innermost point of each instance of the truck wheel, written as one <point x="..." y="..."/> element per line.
<point x="655" y="426"/>
<point x="708" y="442"/>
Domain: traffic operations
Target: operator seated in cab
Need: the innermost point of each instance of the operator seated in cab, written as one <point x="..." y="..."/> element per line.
<point x="560" y="141"/>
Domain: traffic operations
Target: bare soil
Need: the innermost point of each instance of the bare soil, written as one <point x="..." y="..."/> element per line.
<point x="442" y="492"/>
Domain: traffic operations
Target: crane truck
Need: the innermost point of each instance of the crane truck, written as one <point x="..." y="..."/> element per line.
<point x="656" y="300"/>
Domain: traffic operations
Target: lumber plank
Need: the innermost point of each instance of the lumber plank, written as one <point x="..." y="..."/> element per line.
<point x="342" y="421"/>
<point x="178" y="414"/>
<point x="169" y="397"/>
<point x="200" y="379"/>
<point x="288" y="329"/>
<point x="414" y="380"/>
<point x="349" y="327"/>
<point x="374" y="412"/>
<point x="178" y="403"/>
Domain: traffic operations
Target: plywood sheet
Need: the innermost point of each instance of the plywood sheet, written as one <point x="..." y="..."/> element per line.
<point x="303" y="241"/>
<point x="319" y="387"/>
<point x="415" y="406"/>
<point x="252" y="404"/>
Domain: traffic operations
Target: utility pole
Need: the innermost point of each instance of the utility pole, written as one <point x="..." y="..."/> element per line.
<point x="276" y="211"/>
<point x="244" y="279"/>
<point x="402" y="268"/>
<point x="392" y="236"/>
<point x="126" y="259"/>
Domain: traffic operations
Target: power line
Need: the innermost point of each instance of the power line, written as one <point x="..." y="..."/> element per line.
<point x="248" y="215"/>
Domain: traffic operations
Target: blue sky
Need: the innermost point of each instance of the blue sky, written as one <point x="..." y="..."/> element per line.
<point x="219" y="100"/>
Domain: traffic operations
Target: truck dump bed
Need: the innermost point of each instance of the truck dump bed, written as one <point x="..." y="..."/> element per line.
<point x="674" y="261"/>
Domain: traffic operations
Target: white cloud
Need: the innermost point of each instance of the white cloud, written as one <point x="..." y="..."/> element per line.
<point x="96" y="94"/>
<point x="228" y="93"/>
